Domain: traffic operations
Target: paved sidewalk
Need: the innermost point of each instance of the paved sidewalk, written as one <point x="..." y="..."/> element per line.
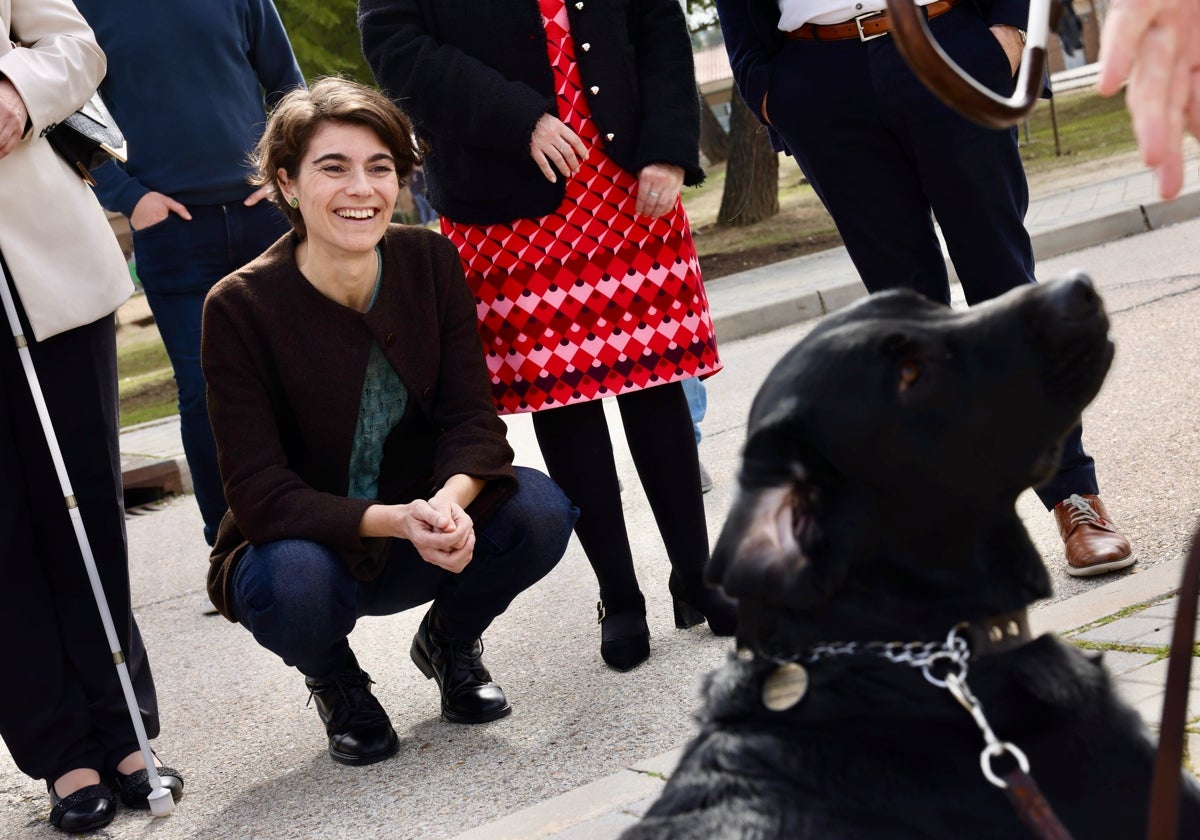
<point x="1131" y="621"/>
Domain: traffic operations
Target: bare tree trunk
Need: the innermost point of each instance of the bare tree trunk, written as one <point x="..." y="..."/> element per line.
<point x="752" y="174"/>
<point x="714" y="140"/>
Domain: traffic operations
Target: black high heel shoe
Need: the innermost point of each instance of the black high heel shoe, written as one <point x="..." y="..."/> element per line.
<point x="134" y="789"/>
<point x="709" y="605"/>
<point x="84" y="810"/>
<point x="624" y="638"/>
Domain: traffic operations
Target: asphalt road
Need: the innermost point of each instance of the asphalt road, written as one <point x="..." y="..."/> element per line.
<point x="234" y="718"/>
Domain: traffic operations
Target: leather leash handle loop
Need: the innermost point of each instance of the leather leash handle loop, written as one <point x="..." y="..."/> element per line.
<point x="954" y="87"/>
<point x="1168" y="761"/>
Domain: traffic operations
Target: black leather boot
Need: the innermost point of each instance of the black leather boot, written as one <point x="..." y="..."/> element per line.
<point x="358" y="727"/>
<point x="468" y="693"/>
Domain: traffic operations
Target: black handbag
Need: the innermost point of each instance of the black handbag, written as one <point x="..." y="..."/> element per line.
<point x="88" y="138"/>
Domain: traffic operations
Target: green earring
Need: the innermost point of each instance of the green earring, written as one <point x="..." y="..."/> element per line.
<point x="294" y="203"/>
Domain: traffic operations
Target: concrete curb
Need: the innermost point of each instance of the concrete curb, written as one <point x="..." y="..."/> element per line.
<point x="1115" y="225"/>
<point x="826" y="281"/>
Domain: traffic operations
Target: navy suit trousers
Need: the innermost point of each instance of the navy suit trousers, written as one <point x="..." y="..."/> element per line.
<point x="886" y="157"/>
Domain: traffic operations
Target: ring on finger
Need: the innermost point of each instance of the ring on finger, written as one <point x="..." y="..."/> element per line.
<point x="562" y="149"/>
<point x="654" y="194"/>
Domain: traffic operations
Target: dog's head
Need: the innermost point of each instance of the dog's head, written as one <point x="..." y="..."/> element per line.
<point x="885" y="453"/>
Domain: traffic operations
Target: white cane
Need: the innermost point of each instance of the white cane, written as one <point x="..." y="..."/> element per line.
<point x="161" y="802"/>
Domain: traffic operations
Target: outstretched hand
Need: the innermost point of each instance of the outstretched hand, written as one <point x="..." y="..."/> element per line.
<point x="554" y="146"/>
<point x="1155" y="45"/>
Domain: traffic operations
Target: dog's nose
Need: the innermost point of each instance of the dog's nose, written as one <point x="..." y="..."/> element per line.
<point x="1074" y="298"/>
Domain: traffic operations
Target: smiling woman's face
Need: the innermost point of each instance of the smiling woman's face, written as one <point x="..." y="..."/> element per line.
<point x="347" y="187"/>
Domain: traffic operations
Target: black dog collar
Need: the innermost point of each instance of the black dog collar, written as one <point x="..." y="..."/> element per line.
<point x="997" y="634"/>
<point x="787" y="683"/>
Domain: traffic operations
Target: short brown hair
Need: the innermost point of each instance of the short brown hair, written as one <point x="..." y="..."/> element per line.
<point x="332" y="99"/>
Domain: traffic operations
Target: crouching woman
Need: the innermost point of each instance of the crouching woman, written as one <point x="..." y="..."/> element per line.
<point x="364" y="464"/>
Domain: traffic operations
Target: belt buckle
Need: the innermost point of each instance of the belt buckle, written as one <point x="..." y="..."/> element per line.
<point x="863" y="36"/>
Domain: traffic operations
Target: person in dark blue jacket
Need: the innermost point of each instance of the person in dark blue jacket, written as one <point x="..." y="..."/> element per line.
<point x="190" y="84"/>
<point x="886" y="156"/>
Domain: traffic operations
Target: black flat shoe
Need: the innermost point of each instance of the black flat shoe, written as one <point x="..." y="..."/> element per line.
<point x="624" y="638"/>
<point x="86" y="809"/>
<point x="134" y="789"/>
<point x="468" y="693"/>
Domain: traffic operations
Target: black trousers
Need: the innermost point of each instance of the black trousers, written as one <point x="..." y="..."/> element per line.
<point x="886" y="156"/>
<point x="62" y="706"/>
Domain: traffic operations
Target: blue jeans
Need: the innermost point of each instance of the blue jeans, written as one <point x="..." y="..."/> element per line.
<point x="697" y="401"/>
<point x="178" y="262"/>
<point x="300" y="602"/>
<point x="425" y="211"/>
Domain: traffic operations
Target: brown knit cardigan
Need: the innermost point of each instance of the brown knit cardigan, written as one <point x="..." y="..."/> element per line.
<point x="285" y="366"/>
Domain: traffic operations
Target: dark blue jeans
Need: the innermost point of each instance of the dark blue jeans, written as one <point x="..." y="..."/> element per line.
<point x="178" y="262"/>
<point x="301" y="603"/>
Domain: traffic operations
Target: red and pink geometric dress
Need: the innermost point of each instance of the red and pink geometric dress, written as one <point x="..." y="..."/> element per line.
<point x="592" y="300"/>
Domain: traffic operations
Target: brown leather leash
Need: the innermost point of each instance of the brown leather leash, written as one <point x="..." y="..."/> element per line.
<point x="1031" y="806"/>
<point x="1168" y="762"/>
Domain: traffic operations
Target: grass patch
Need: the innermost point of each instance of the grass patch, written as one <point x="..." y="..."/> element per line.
<point x="1090" y="127"/>
<point x="145" y="383"/>
<point x="1157" y="651"/>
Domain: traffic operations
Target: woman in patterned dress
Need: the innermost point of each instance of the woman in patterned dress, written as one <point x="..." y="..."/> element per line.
<point x="559" y="134"/>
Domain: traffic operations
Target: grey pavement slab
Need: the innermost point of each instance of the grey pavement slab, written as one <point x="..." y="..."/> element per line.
<point x="1134" y="630"/>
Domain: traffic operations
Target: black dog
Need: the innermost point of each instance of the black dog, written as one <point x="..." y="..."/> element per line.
<point x="884" y="456"/>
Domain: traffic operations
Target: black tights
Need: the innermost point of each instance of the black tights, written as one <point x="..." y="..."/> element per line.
<point x="578" y="452"/>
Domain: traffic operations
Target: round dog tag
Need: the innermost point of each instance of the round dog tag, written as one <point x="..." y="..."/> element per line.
<point x="785" y="687"/>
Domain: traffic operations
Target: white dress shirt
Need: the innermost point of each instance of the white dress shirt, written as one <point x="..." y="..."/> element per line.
<point x="795" y="13"/>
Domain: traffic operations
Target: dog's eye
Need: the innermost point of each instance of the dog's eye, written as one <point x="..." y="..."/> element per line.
<point x="910" y="372"/>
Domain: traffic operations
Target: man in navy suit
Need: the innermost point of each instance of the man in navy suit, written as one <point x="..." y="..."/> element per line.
<point x="886" y="156"/>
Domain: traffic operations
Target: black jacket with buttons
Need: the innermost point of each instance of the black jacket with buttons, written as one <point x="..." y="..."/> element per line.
<point x="284" y="366"/>
<point x="475" y="78"/>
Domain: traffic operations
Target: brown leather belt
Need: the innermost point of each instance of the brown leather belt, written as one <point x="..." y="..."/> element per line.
<point x="864" y="27"/>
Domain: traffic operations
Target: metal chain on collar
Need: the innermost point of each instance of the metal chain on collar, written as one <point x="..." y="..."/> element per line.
<point x="931" y="659"/>
<point x="954" y="653"/>
<point x="944" y="665"/>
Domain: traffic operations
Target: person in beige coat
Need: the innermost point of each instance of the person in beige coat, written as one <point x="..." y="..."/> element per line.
<point x="63" y="715"/>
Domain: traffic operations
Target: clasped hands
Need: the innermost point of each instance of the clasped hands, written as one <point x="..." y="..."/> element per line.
<point x="439" y="528"/>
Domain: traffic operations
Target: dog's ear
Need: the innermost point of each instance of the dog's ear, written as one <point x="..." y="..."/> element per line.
<point x="765" y="551"/>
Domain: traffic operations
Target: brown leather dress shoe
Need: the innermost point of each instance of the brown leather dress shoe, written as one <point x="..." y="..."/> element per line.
<point x="1094" y="545"/>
